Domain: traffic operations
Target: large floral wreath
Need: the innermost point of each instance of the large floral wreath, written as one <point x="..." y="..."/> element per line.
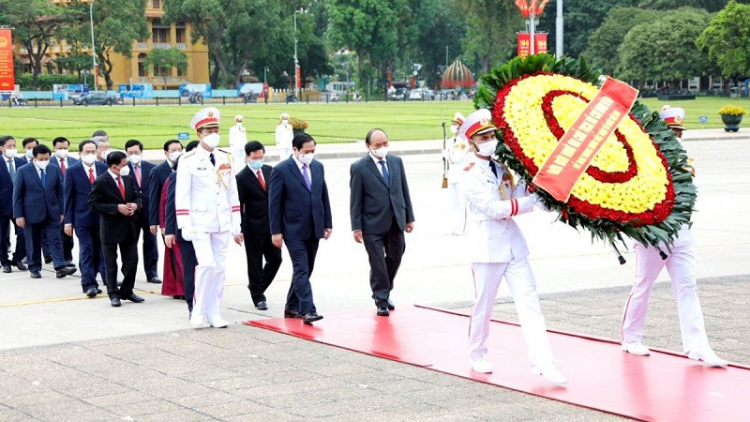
<point x="638" y="184"/>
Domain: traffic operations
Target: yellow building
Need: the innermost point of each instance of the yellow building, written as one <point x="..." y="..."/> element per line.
<point x="131" y="70"/>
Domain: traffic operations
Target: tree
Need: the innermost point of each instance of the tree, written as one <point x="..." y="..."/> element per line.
<point x="708" y="5"/>
<point x="491" y="33"/>
<point x="117" y="24"/>
<point x="36" y="23"/>
<point x="166" y="59"/>
<point x="444" y="28"/>
<point x="603" y="44"/>
<point x="726" y="39"/>
<point x="665" y="49"/>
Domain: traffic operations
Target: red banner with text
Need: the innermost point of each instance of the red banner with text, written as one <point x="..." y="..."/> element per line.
<point x="524" y="44"/>
<point x="7" y="80"/>
<point x="540" y="43"/>
<point x="299" y="77"/>
<point x="580" y="144"/>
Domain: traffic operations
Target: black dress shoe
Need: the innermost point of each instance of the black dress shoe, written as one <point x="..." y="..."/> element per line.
<point x="115" y="302"/>
<point x="20" y="265"/>
<point x="262" y="305"/>
<point x="134" y="298"/>
<point x="65" y="271"/>
<point x="383" y="311"/>
<point x="391" y="305"/>
<point x="70" y="264"/>
<point x="91" y="292"/>
<point x="48" y="259"/>
<point x="35" y="274"/>
<point x="291" y="314"/>
<point x="154" y="280"/>
<point x="6" y="268"/>
<point x="311" y="317"/>
<point x="178" y="297"/>
<point x="98" y="291"/>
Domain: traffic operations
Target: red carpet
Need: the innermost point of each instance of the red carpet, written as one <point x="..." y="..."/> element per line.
<point x="661" y="387"/>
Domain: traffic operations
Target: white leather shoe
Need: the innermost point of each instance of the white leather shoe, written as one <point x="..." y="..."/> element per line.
<point x="549" y="372"/>
<point x="197" y="320"/>
<point x="636" y="349"/>
<point x="481" y="365"/>
<point x="216" y="322"/>
<point x="707" y="355"/>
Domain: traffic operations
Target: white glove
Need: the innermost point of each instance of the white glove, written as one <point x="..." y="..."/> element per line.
<point x="187" y="234"/>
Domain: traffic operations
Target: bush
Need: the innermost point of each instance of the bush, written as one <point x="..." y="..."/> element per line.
<point x="297" y="123"/>
<point x="45" y="81"/>
<point x="732" y="110"/>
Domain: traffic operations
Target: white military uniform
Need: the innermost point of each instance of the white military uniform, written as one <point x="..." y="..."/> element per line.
<point x="284" y="136"/>
<point x="498" y="250"/>
<point x="237" y="141"/>
<point x="456" y="155"/>
<point x="207" y="205"/>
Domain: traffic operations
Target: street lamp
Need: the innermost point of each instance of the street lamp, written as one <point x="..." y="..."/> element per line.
<point x="93" y="48"/>
<point x="265" y="75"/>
<point x="85" y="76"/>
<point x="296" y="63"/>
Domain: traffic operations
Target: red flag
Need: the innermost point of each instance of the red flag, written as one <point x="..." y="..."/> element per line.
<point x="523" y="7"/>
<point x="540" y="9"/>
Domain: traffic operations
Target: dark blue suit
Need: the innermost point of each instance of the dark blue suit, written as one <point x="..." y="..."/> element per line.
<point x="84" y="222"/>
<point x="301" y="215"/>
<point x="158" y="176"/>
<point x="41" y="206"/>
<point x="150" y="249"/>
<point x="6" y="214"/>
<point x="189" y="262"/>
<point x="67" y="241"/>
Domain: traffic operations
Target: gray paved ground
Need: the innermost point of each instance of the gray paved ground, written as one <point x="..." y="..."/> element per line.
<point x="250" y="374"/>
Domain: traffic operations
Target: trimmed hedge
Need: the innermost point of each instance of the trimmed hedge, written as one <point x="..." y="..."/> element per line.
<point x="45" y="81"/>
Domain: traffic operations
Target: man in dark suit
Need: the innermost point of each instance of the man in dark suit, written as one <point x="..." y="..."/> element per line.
<point x="28" y="145"/>
<point x="159" y="175"/>
<point x="140" y="171"/>
<point x="78" y="183"/>
<point x="60" y="145"/>
<point x="300" y="214"/>
<point x="38" y="209"/>
<point x="8" y="175"/>
<point x="173" y="235"/>
<point x="117" y="200"/>
<point x="381" y="211"/>
<point x="253" y="193"/>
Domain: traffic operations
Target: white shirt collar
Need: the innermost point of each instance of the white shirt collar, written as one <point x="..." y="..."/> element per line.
<point x="376" y="159"/>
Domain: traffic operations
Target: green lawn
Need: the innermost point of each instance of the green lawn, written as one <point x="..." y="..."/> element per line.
<point x="337" y="122"/>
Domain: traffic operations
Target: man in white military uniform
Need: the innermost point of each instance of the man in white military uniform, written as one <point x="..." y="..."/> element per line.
<point x="284" y="136"/>
<point x="498" y="249"/>
<point x="208" y="212"/>
<point x="237" y="141"/>
<point x="680" y="263"/>
<point x="456" y="152"/>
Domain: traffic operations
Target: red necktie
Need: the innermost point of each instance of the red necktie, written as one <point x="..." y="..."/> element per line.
<point x="138" y="174"/>
<point x="91" y="175"/>
<point x="62" y="166"/>
<point x="121" y="186"/>
<point x="260" y="179"/>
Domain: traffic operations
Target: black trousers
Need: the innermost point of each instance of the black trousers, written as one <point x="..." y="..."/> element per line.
<point x="67" y="244"/>
<point x="302" y="254"/>
<point x="5" y="229"/>
<point x="189" y="263"/>
<point x="259" y="276"/>
<point x="384" y="252"/>
<point x="129" y="251"/>
<point x="150" y="248"/>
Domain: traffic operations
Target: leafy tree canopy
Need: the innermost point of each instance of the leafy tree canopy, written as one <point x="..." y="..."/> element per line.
<point x="727" y="38"/>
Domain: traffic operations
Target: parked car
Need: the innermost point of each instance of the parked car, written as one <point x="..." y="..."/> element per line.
<point x="416" y="94"/>
<point x="399" y="94"/>
<point x="98" y="98"/>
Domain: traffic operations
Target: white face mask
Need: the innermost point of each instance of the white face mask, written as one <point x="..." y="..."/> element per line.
<point x="10" y="153"/>
<point x="61" y="153"/>
<point x="212" y="140"/>
<point x="454" y="129"/>
<point x="104" y="154"/>
<point x="173" y="156"/>
<point x="42" y="164"/>
<point x="89" y="159"/>
<point x="285" y="121"/>
<point x="380" y="152"/>
<point x="239" y="123"/>
<point x="487" y="149"/>
<point x="135" y="159"/>
<point x="125" y="171"/>
<point x="306" y="158"/>
<point x="29" y="154"/>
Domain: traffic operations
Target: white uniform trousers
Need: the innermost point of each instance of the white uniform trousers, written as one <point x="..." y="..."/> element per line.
<point x="284" y="153"/>
<point x="680" y="266"/>
<point x="520" y="279"/>
<point x="211" y="254"/>
<point x="238" y="160"/>
<point x="457" y="223"/>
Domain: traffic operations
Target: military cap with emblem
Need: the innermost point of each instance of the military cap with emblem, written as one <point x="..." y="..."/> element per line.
<point x="206" y="117"/>
<point x="673" y="117"/>
<point x="476" y="123"/>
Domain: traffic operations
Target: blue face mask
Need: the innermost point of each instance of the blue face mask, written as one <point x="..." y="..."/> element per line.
<point x="255" y="165"/>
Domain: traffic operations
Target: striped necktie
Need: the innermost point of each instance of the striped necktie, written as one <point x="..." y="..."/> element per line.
<point x="12" y="171"/>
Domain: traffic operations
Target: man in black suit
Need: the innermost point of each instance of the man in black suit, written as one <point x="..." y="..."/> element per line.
<point x="117" y="200"/>
<point x="381" y="211"/>
<point x="140" y="171"/>
<point x="8" y="176"/>
<point x="63" y="161"/>
<point x="159" y="175"/>
<point x="300" y="214"/>
<point x="253" y="193"/>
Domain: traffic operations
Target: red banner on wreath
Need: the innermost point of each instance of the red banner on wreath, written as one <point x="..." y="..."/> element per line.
<point x="524" y="44"/>
<point x="580" y="144"/>
<point x="7" y="80"/>
<point x="540" y="43"/>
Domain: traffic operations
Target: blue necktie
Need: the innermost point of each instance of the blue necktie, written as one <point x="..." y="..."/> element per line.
<point x="213" y="160"/>
<point x="386" y="176"/>
<point x="12" y="171"/>
<point x="492" y="167"/>
<point x="44" y="179"/>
